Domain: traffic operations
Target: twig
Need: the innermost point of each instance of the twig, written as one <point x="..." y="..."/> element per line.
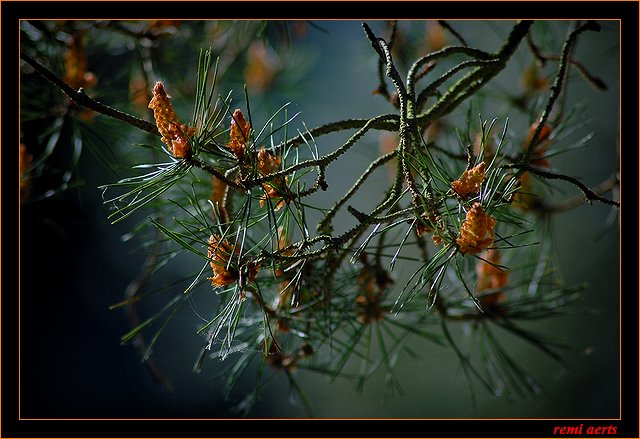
<point x="448" y="27"/>
<point x="325" y="160"/>
<point x="556" y="88"/>
<point x="443" y="53"/>
<point x="578" y="200"/>
<point x="428" y="91"/>
<point x="476" y="79"/>
<point x="372" y="167"/>
<point x="406" y="110"/>
<point x="388" y="122"/>
<point x="382" y="88"/>
<point x="80" y="98"/>
<point x="382" y="49"/>
<point x="591" y="195"/>
<point x="535" y="50"/>
<point x="213" y="171"/>
<point x="596" y="82"/>
<point x="367" y="219"/>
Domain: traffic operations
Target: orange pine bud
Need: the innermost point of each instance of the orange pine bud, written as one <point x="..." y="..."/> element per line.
<point x="280" y="360"/>
<point x="540" y="147"/>
<point x="267" y="162"/>
<point x="368" y="308"/>
<point x="367" y="280"/>
<point x="283" y="240"/>
<point x="253" y="271"/>
<point x="139" y="93"/>
<point x="470" y="181"/>
<point x="489" y="149"/>
<point x="277" y="187"/>
<point x="423" y="225"/>
<point x="262" y="67"/>
<point x="75" y="64"/>
<point x="224" y="273"/>
<point x="545" y="132"/>
<point x="532" y="80"/>
<point x="476" y="232"/>
<point x="174" y="134"/>
<point x="299" y="28"/>
<point x="219" y="252"/>
<point x="436" y="39"/>
<point x="218" y="189"/>
<point x="286" y="290"/>
<point x="159" y="25"/>
<point x="373" y="282"/>
<point x="277" y="190"/>
<point x="488" y="275"/>
<point x="239" y="135"/>
<point x="525" y="199"/>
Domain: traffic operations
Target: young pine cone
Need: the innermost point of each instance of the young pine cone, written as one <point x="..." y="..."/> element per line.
<point x="174" y="134"/>
<point x="476" y="232"/>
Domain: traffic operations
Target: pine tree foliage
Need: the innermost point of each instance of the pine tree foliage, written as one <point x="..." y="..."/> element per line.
<point x="457" y="238"/>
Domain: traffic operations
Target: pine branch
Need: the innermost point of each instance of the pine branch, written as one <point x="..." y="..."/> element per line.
<point x="556" y="88"/>
<point x="588" y="193"/>
<point x="80" y="98"/>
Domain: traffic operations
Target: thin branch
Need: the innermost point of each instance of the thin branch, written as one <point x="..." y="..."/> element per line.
<point x="382" y="87"/>
<point x="596" y="82"/>
<point x="372" y="167"/>
<point x="320" y="183"/>
<point x="578" y="200"/>
<point x="442" y="53"/>
<point x="387" y="122"/>
<point x="477" y="78"/>
<point x="428" y="91"/>
<point x="80" y="98"/>
<point x="382" y="49"/>
<point x="366" y="219"/>
<point x="591" y="195"/>
<point x="535" y="50"/>
<point x="325" y="160"/>
<point x="556" y="88"/>
<point x="448" y="27"/>
<point x="406" y="110"/>
<point x="213" y="171"/>
<point x="542" y="58"/>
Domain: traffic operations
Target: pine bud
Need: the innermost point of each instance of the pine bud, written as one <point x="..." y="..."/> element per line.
<point x="239" y="135"/>
<point x="476" y="232"/>
<point x="470" y="181"/>
<point x="174" y="134"/>
<point x="488" y="275"/>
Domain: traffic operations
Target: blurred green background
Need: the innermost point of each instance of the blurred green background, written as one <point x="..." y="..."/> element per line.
<point x="74" y="264"/>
